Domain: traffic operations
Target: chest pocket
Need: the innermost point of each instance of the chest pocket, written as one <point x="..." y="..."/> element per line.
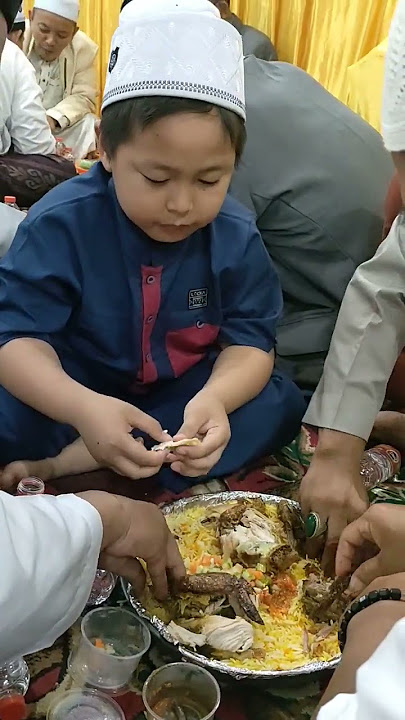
<point x="192" y="336"/>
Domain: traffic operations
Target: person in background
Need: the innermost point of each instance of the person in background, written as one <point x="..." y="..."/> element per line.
<point x="29" y="166"/>
<point x="369" y="682"/>
<point x="154" y="303"/>
<point x="315" y="175"/>
<point x="17" y="32"/>
<point x="60" y="542"/>
<point x="369" y="336"/>
<point x="64" y="61"/>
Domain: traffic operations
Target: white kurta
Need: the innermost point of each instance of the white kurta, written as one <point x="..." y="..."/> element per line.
<point x="80" y="137"/>
<point x="368" y="338"/>
<point x="23" y="122"/>
<point x="380" y="687"/>
<point x="49" y="549"/>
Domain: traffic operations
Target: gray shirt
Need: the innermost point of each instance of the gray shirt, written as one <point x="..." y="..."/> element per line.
<point x="315" y="175"/>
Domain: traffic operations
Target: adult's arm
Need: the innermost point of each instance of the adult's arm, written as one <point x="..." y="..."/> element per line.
<point x="368" y="338"/>
<point x="83" y="97"/>
<point x="49" y="549"/>
<point x="375" y="689"/>
<point x="28" y="126"/>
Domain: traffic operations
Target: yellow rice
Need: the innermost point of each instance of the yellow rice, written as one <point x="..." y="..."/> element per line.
<point x="281" y="637"/>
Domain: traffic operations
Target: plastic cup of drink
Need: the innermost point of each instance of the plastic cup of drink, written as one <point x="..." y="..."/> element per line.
<point x="181" y="689"/>
<point x="31" y="486"/>
<point x="84" y="705"/>
<point x="112" y="643"/>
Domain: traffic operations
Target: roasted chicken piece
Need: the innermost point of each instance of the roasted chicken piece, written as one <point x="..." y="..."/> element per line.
<point x="293" y="524"/>
<point x="238" y="592"/>
<point x="232" y="516"/>
<point x="325" y="600"/>
<point x="229" y="635"/>
<point x="186" y="637"/>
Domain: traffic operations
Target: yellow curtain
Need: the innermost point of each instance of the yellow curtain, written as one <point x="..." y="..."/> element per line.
<point x="325" y="37"/>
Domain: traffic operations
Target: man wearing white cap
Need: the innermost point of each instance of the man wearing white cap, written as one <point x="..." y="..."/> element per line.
<point x="152" y="300"/>
<point x="368" y="338"/>
<point x="63" y="58"/>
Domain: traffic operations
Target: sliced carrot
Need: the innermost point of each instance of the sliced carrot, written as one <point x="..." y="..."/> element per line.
<point x="218" y="560"/>
<point x="206" y="560"/>
<point x="193" y="567"/>
<point x="257" y="574"/>
<point x="98" y="644"/>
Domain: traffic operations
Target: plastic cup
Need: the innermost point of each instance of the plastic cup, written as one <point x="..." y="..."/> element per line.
<point x="85" y="705"/>
<point x="111" y="646"/>
<point x="181" y="686"/>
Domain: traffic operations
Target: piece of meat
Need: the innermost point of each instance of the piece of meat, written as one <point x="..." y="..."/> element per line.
<point x="229" y="635"/>
<point x="281" y="559"/>
<point x="237" y="590"/>
<point x="325" y="600"/>
<point x="186" y="637"/>
<point x="293" y="524"/>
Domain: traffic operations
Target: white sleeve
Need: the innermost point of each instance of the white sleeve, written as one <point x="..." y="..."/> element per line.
<point x="368" y="338"/>
<point x="10" y="218"/>
<point x="28" y="126"/>
<point x="49" y="549"/>
<point x="380" y="687"/>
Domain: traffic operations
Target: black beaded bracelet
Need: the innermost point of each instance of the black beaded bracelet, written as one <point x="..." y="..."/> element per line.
<point x="362" y="603"/>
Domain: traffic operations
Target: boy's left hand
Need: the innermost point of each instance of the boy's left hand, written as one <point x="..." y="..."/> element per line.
<point x="206" y="418"/>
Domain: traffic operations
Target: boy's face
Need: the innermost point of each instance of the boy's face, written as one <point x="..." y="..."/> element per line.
<point x="171" y="179"/>
<point x="52" y="33"/>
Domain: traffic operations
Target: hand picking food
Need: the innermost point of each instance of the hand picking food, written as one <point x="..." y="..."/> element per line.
<point x="173" y="444"/>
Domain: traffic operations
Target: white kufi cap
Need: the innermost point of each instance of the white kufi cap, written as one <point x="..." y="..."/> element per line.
<point x="393" y="105"/>
<point x="178" y="48"/>
<point x="68" y="9"/>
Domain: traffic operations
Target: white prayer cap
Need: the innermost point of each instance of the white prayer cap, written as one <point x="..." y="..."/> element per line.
<point x="177" y="48"/>
<point x="393" y="105"/>
<point x="68" y="9"/>
<point x="20" y="17"/>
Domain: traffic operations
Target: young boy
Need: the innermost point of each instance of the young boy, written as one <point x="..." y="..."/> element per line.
<point x="139" y="297"/>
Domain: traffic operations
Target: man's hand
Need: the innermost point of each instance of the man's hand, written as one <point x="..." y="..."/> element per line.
<point x="206" y="418"/>
<point x="334" y="489"/>
<point x="105" y="424"/>
<point x="382" y="527"/>
<point x="52" y="124"/>
<point x="135" y="530"/>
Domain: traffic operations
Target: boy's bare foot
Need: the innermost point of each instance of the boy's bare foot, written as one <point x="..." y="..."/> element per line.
<point x="16" y="471"/>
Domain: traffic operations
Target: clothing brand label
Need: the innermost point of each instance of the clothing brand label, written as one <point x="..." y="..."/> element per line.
<point x="197" y="299"/>
<point x="113" y="59"/>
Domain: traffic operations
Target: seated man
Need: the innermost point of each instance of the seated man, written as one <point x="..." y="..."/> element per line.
<point x="315" y="175"/>
<point x="28" y="164"/>
<point x="369" y="336"/>
<point x="17" y="32"/>
<point x="63" y="58"/>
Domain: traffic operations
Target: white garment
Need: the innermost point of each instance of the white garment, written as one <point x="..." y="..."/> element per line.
<point x="48" y="79"/>
<point x="10" y="218"/>
<point x="80" y="137"/>
<point x="49" y="549"/>
<point x="393" y="105"/>
<point x="177" y="48"/>
<point x="368" y="338"/>
<point x="380" y="687"/>
<point x="68" y="9"/>
<point x="23" y="122"/>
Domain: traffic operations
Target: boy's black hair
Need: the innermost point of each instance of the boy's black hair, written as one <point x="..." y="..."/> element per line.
<point x="120" y="120"/>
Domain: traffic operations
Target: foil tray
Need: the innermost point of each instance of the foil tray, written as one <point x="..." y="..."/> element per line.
<point x="191" y="656"/>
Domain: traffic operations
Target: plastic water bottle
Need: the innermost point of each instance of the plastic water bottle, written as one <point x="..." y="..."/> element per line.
<point x="30" y="486"/>
<point x="11" y="201"/>
<point x="379" y="464"/>
<point x="14" y="683"/>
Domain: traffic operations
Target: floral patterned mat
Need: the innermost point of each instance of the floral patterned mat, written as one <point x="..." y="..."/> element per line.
<point x="297" y="700"/>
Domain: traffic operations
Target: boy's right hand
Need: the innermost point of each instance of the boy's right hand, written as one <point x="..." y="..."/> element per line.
<point x="105" y="424"/>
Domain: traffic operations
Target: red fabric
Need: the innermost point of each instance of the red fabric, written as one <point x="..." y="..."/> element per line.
<point x="151" y="278"/>
<point x="186" y="347"/>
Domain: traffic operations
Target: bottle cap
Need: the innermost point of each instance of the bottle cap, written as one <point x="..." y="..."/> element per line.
<point x="12" y="707"/>
<point x="10" y="199"/>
